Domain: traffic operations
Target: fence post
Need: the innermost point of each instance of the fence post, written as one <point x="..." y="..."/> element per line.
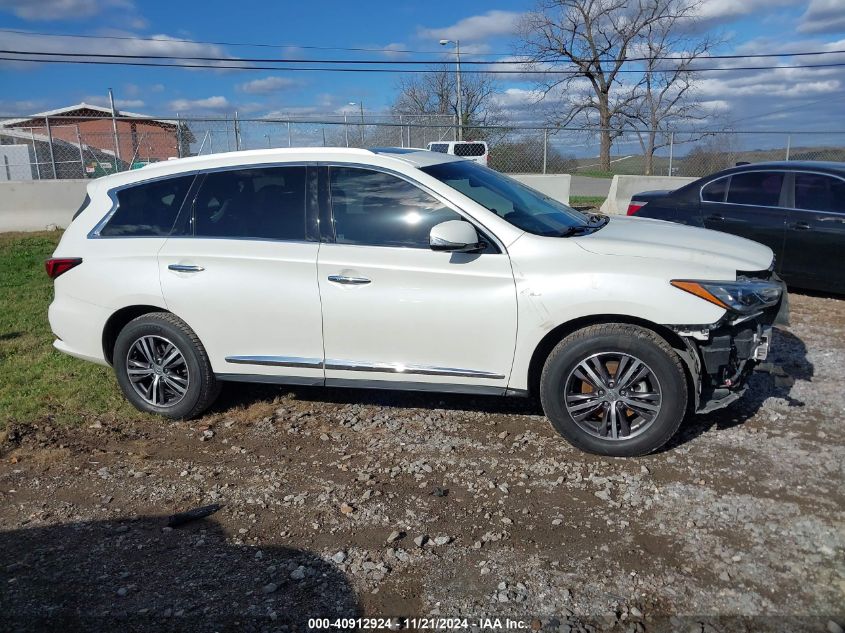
<point x="35" y="152"/>
<point x="788" y="144"/>
<point x="289" y="139"/>
<point x="237" y="132"/>
<point x="671" y="150"/>
<point x="545" y="148"/>
<point x="178" y="136"/>
<point x="401" y="133"/>
<point x="345" y="129"/>
<point x="50" y="140"/>
<point x="81" y="156"/>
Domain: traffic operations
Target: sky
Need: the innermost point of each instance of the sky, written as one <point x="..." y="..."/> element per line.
<point x="799" y="99"/>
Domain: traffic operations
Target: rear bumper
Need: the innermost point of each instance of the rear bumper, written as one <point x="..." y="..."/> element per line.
<point x="78" y="326"/>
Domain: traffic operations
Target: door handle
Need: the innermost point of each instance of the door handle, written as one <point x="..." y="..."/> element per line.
<point x="830" y="218"/>
<point x="351" y="281"/>
<point x="716" y="217"/>
<point x="186" y="268"/>
<point x="801" y="226"/>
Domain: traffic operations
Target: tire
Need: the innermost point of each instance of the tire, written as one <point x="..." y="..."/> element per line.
<point x="185" y="386"/>
<point x="586" y="407"/>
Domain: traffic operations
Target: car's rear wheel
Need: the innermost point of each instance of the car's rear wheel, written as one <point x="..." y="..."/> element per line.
<point x="163" y="368"/>
<point x="614" y="389"/>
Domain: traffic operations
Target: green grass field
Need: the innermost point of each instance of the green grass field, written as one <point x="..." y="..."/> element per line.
<point x="37" y="383"/>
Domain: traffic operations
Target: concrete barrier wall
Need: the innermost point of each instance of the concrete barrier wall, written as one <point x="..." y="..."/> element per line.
<point x="553" y="185"/>
<point x="623" y="188"/>
<point x="35" y="205"/>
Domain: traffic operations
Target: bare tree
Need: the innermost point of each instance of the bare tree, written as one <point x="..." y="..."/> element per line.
<point x="435" y="93"/>
<point x="597" y="37"/>
<point x="664" y="95"/>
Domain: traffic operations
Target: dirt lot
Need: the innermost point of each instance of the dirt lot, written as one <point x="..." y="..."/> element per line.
<point x="739" y="525"/>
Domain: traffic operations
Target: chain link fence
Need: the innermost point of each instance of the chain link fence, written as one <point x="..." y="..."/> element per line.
<point x="88" y="147"/>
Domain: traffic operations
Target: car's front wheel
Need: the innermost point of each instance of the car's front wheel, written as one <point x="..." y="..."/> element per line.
<point x="614" y="389"/>
<point x="162" y="367"/>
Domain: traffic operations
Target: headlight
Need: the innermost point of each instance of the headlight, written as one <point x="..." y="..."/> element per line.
<point x="742" y="296"/>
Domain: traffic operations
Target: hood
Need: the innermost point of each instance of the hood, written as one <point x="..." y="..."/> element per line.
<point x="656" y="239"/>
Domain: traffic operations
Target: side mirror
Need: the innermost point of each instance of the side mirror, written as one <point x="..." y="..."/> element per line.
<point x="455" y="236"/>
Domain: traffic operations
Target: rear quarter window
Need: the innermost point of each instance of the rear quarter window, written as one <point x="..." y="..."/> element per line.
<point x="441" y="148"/>
<point x="148" y="209"/>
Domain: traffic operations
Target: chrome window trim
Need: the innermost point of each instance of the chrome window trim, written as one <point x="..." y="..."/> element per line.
<point x="352" y="365"/>
<point x="277" y="361"/>
<point x="112" y="194"/>
<point x="766" y="206"/>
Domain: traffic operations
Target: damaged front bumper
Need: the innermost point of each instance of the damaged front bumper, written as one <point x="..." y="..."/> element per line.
<point x="722" y="356"/>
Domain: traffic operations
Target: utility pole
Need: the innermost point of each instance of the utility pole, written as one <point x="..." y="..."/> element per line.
<point x="114" y="129"/>
<point x="460" y="129"/>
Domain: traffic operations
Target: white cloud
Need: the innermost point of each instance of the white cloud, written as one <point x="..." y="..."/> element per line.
<point x="43" y="10"/>
<point x="189" y="106"/>
<point x="266" y="85"/>
<point x="823" y="16"/>
<point x="474" y="28"/>
<point x="729" y="10"/>
<point x="394" y="50"/>
<point x="159" y="44"/>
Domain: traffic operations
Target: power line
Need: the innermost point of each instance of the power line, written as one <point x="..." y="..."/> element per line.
<point x="241" y="66"/>
<point x="279" y="60"/>
<point x="394" y="50"/>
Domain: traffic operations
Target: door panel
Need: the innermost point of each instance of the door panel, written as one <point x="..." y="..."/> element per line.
<point x="245" y="276"/>
<point x="396" y="311"/>
<point x="420" y="316"/>
<point x="815" y="236"/>
<point x="251" y="299"/>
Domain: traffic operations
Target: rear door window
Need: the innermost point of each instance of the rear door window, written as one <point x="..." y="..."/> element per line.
<point x="817" y="192"/>
<point x="148" y="209"/>
<point x="470" y="149"/>
<point x="257" y="203"/>
<point x="756" y="188"/>
<point x="442" y="148"/>
<point x="715" y="191"/>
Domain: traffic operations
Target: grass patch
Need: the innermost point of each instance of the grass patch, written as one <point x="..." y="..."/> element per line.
<point x="586" y="201"/>
<point x="38" y="383"/>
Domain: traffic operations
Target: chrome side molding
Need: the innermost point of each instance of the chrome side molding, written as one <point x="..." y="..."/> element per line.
<point x="277" y="361"/>
<point x="351" y="365"/>
<point x="401" y="368"/>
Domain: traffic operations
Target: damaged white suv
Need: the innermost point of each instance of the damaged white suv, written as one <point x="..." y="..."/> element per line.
<point x="406" y="269"/>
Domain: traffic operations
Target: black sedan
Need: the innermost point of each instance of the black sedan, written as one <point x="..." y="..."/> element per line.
<point x="795" y="208"/>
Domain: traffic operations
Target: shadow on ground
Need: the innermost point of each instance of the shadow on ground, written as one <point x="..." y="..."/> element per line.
<point x="788" y="356"/>
<point x="131" y="575"/>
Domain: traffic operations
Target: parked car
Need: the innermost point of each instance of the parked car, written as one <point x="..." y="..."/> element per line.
<point x="472" y="150"/>
<point x="399" y="269"/>
<point x="796" y="208"/>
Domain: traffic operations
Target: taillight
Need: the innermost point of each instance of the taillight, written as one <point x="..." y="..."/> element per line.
<point x="60" y="265"/>
<point x="635" y="206"/>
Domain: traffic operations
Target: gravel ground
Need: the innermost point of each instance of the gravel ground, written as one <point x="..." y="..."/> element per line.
<point x="366" y="504"/>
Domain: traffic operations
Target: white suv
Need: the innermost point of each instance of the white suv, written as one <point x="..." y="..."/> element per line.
<point x="406" y="269"/>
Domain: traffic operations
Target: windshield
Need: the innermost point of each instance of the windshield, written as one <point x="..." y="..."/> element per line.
<point x="522" y="206"/>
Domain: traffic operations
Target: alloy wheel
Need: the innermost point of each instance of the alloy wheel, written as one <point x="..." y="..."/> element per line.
<point x="157" y="370"/>
<point x="613" y="395"/>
